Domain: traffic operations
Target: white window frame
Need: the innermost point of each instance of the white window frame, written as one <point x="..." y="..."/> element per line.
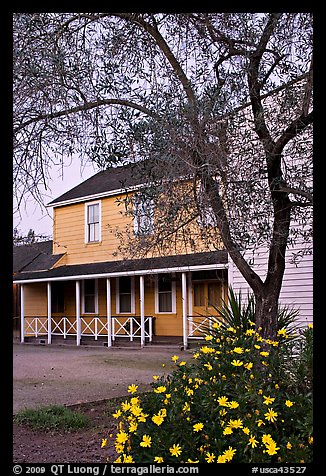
<point x="174" y="296"/>
<point x="117" y="300"/>
<point x="87" y="204"/>
<point x="83" y="297"/>
<point x="141" y="202"/>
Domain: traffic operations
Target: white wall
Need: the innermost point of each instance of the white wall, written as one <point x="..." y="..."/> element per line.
<point x="297" y="288"/>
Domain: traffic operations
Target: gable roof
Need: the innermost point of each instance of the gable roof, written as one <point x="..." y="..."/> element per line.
<point x="34" y="256"/>
<point x="112" y="179"/>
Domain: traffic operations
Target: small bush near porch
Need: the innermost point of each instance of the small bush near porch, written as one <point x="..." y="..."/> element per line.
<point x="244" y="399"/>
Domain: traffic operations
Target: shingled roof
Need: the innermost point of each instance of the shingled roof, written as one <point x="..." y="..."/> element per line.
<point x="125" y="266"/>
<point x="34" y="257"/>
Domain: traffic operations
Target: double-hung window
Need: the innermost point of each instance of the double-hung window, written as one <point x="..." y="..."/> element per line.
<point x="125" y="295"/>
<point x="90" y="296"/>
<point x="92" y="222"/>
<point x="165" y="298"/>
<point x="143" y="215"/>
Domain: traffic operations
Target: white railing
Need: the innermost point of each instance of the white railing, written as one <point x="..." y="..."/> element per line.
<point x="199" y="325"/>
<point x="128" y="327"/>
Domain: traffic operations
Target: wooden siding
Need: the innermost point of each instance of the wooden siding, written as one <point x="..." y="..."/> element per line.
<point x="297" y="287"/>
<point x="35" y="299"/>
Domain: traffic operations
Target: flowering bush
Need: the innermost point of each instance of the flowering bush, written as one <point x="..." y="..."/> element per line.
<point x="228" y="403"/>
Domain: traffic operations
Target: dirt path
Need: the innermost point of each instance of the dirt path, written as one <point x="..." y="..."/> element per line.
<point x="69" y="374"/>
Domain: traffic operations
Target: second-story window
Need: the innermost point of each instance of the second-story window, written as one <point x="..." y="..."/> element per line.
<point x="143" y="215"/>
<point x="93" y="222"/>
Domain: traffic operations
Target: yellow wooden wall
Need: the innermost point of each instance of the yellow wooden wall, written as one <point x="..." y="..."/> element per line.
<point x="35" y="299"/>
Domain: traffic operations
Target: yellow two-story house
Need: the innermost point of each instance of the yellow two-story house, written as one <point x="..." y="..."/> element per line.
<point x="81" y="289"/>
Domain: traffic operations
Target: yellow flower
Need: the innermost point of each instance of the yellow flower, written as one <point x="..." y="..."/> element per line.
<point x="264" y="354"/>
<point x="310" y="326"/>
<point x="182" y="363"/>
<point x="186" y="407"/>
<point x="175" y="358"/>
<point x="156" y="377"/>
<point x="238" y="350"/>
<point x="175" y="450"/>
<point x="210" y="457"/>
<point x="118" y="460"/>
<point x="198" y="426"/>
<point x="248" y="365"/>
<point x="246" y="430"/>
<point x="268" y="400"/>
<point x="136" y="411"/>
<point x="157" y="419"/>
<point x="196" y="355"/>
<point x="117" y="414"/>
<point x="266" y="439"/>
<point x="208" y="337"/>
<point x="277" y="386"/>
<point x="271" y="415"/>
<point x="235" y="423"/>
<point x="288" y="445"/>
<point x="227" y="431"/>
<point x="288" y="403"/>
<point x="142" y="417"/>
<point x="216" y="325"/>
<point x="233" y="404"/>
<point x="132" y="388"/>
<point x="281" y="332"/>
<point x="133" y="427"/>
<point x="192" y="461"/>
<point x="236" y="363"/>
<point x="253" y="442"/>
<point x="260" y="423"/>
<point x="221" y="459"/>
<point x="121" y="437"/>
<point x="128" y="459"/>
<point x="271" y="448"/>
<point x="207" y="350"/>
<point x="249" y="332"/>
<point x="310" y="440"/>
<point x="104" y="442"/>
<point x="125" y="406"/>
<point x="208" y="366"/>
<point x="223" y="401"/>
<point x="134" y="400"/>
<point x="158" y="459"/>
<point x="223" y="412"/>
<point x="146" y="442"/>
<point x="160" y="389"/>
<point x="229" y="453"/>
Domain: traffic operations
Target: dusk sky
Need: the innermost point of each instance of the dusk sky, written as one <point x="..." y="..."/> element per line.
<point x="40" y="219"/>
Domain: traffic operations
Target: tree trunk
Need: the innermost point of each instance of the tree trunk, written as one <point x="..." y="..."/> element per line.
<point x="266" y="313"/>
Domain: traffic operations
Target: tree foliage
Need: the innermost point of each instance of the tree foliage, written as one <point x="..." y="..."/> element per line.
<point x="223" y="99"/>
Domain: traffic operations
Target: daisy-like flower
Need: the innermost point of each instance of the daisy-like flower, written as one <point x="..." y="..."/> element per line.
<point x="125" y="406"/>
<point x="210" y="457"/>
<point x="266" y="439"/>
<point x="227" y="431"/>
<point x="117" y="414"/>
<point x="207" y="350"/>
<point x="175" y="358"/>
<point x="158" y="459"/>
<point x="260" y="422"/>
<point x="268" y="400"/>
<point x="229" y="453"/>
<point x="253" y="442"/>
<point x="271" y="415"/>
<point x="186" y="407"/>
<point x="249" y="332"/>
<point x="264" y="354"/>
<point x="233" y="404"/>
<point x="134" y="401"/>
<point x="128" y="459"/>
<point x="235" y="423"/>
<point x="175" y="450"/>
<point x="223" y="401"/>
<point x="288" y="445"/>
<point x="271" y="448"/>
<point x="221" y="459"/>
<point x="133" y="427"/>
<point x="157" y="419"/>
<point x="246" y="430"/>
<point x="182" y="363"/>
<point x="198" y="427"/>
<point x="104" y="442"/>
<point x="132" y="388"/>
<point x="238" y="350"/>
<point x="208" y="337"/>
<point x="156" y="377"/>
<point x="216" y="325"/>
<point x="288" y="403"/>
<point x="146" y="441"/>
<point x="236" y="363"/>
<point x="121" y="437"/>
<point x="281" y="332"/>
<point x="248" y="365"/>
<point x="160" y="389"/>
<point x="208" y="366"/>
<point x="310" y="440"/>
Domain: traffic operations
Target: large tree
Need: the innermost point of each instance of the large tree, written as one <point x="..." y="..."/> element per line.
<point x="221" y="99"/>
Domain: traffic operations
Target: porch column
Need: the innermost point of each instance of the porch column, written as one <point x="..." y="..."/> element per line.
<point x="78" y="323"/>
<point x="184" y="310"/>
<point x="142" y="310"/>
<point x="22" y="313"/>
<point x="49" y="311"/>
<point x="108" y="310"/>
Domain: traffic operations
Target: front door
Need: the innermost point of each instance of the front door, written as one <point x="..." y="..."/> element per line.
<point x="207" y="297"/>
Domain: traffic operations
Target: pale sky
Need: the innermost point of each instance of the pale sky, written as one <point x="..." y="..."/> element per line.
<point x="40" y="219"/>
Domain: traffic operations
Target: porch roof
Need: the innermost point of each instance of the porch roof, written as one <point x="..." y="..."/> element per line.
<point x="164" y="264"/>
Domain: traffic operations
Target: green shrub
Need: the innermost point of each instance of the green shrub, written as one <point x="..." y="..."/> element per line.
<point x="51" y="417"/>
<point x="231" y="403"/>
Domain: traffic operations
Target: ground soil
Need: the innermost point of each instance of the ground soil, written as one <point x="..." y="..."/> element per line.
<point x="85" y="379"/>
